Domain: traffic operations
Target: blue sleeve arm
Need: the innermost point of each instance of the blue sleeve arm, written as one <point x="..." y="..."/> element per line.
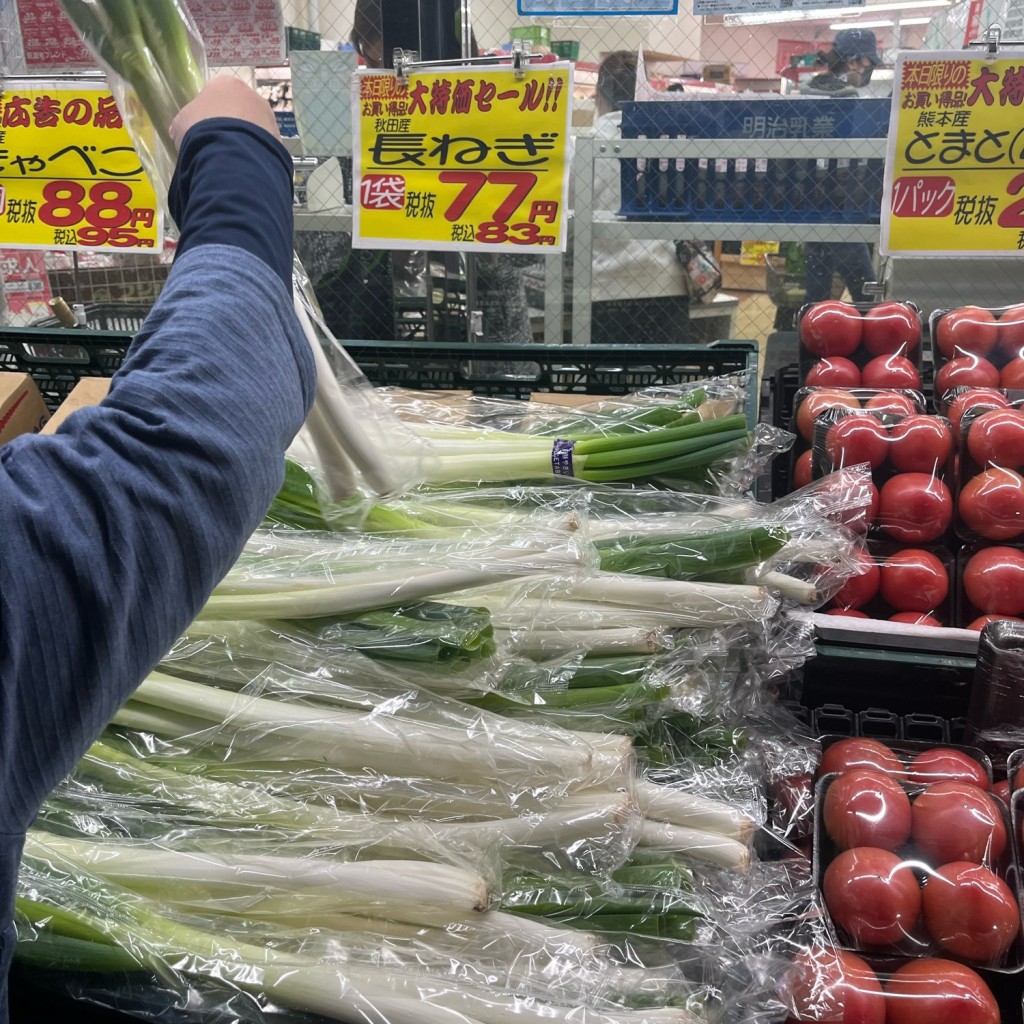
<point x="114" y="530"/>
<point x="233" y="186"/>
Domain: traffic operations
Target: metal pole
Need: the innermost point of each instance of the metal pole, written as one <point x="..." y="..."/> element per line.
<point x="474" y="317"/>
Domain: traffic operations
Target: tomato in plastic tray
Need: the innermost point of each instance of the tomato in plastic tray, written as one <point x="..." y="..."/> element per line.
<point x="840" y="987"/>
<point x="911" y="459"/>
<point x="990" y="584"/>
<point x="809" y="403"/>
<point x="868" y="342"/>
<point x="977" y="346"/>
<point x="914" y="583"/>
<point x="897" y="756"/>
<point x="990" y="492"/>
<point x="950" y="891"/>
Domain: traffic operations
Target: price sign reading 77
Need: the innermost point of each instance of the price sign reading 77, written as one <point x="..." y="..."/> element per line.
<point x="497" y="228"/>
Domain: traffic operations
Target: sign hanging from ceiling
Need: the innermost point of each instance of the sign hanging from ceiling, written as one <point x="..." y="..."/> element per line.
<point x="954" y="171"/>
<point x="69" y="175"/>
<point x="465" y="158"/>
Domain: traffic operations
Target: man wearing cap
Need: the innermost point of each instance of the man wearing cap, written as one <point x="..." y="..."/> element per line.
<point x="845" y="70"/>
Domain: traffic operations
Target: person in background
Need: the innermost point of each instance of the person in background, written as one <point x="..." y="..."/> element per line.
<point x="845" y="69"/>
<point x="115" y="529"/>
<point x="639" y="286"/>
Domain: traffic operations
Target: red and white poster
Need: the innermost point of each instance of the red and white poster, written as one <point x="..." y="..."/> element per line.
<point x="235" y="33"/>
<point x="26" y="285"/>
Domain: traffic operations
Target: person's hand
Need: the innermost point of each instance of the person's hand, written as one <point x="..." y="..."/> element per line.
<point x="225" y="97"/>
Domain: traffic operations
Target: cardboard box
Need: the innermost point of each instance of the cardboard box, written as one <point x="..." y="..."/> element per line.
<point x="717" y="73"/>
<point x="88" y="391"/>
<point x="22" y="409"/>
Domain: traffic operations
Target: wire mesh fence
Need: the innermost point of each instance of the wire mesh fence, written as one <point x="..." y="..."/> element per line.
<point x="782" y="186"/>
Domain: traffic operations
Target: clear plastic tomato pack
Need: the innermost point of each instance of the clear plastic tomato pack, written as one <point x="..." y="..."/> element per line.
<point x="839" y="987"/>
<point x="974" y="346"/>
<point x="909" y="585"/>
<point x="990" y="579"/>
<point x="917" y="869"/>
<point x="990" y="495"/>
<point x="995" y="714"/>
<point x="810" y="403"/>
<point x="849" y="345"/>
<point x="911" y="460"/>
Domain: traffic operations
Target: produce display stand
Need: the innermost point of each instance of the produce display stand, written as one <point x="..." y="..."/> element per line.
<point x="57" y="359"/>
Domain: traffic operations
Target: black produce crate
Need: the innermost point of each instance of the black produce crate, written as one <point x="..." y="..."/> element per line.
<point x="561" y="369"/>
<point x="904" y="682"/>
<point x="777" y="393"/>
<point x="58" y="359"/>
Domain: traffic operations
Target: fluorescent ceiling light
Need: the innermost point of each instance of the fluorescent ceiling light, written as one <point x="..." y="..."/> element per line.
<point x="837" y="25"/>
<point x="784" y="17"/>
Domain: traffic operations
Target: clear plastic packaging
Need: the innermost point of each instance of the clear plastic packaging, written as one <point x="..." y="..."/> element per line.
<point x="909" y="585"/>
<point x="918" y="870"/>
<point x="911" y="459"/>
<point x="978" y="347"/>
<point x="850" y="345"/>
<point x="990" y="497"/>
<point x="995" y="713"/>
<point x="991" y="584"/>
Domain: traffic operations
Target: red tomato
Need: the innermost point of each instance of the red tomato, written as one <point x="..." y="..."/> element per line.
<point x="891" y="402"/>
<point x="1012" y="376"/>
<point x="872" y="895"/>
<point x="973" y="398"/>
<point x="857" y="438"/>
<point x="831" y="329"/>
<point x="994" y="580"/>
<point x="915" y="619"/>
<point x="969" y="330"/>
<point x="891" y="328"/>
<point x="891" y="372"/>
<point x="915" y="508"/>
<point x="957" y="821"/>
<point x="997" y="438"/>
<point x="966" y="371"/>
<point x="914" y="581"/>
<point x="816" y="403"/>
<point x="861" y="587"/>
<point x="1001" y="791"/>
<point x="983" y="620"/>
<point x="970" y="911"/>
<point x="803" y="469"/>
<point x="850" y="613"/>
<point x="836" y="372"/>
<point x="920" y="444"/>
<point x="1011" y="332"/>
<point x="936" y="991"/>
<point x="836" y="986"/>
<point x="859" y="752"/>
<point x="867" y="808"/>
<point x="992" y="504"/>
<point x="945" y="764"/>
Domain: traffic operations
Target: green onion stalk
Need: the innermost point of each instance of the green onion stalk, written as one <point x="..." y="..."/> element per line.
<point x="156" y="65"/>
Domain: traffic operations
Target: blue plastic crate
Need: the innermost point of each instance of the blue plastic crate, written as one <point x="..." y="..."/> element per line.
<point x="802" y="190"/>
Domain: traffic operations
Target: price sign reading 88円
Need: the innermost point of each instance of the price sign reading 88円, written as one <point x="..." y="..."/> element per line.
<point x="464" y="158"/>
<point x="69" y="175"/>
<point x="954" y="171"/>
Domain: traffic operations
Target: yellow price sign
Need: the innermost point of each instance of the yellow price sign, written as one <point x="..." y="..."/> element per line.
<point x="752" y="253"/>
<point x="954" y="171"/>
<point x="463" y="158"/>
<point x="70" y="177"/>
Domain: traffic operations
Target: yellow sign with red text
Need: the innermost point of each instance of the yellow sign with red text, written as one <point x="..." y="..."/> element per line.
<point x="954" y="171"/>
<point x="70" y="177"/>
<point x="463" y="158"/>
